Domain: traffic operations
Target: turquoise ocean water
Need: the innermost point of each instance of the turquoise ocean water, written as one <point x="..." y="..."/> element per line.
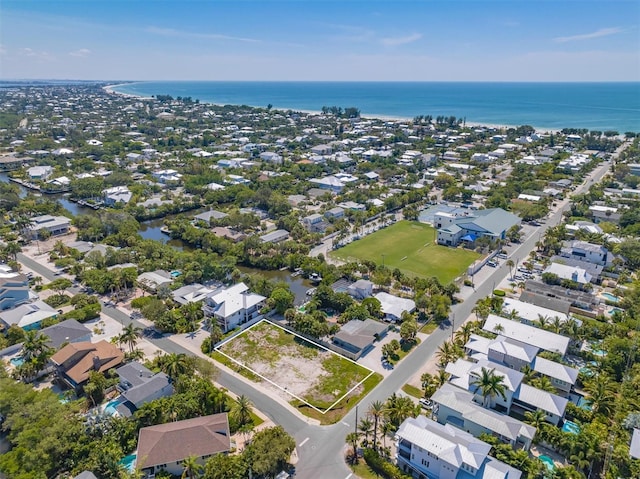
<point x="595" y="106"/>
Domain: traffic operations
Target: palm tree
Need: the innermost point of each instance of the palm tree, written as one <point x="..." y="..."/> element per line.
<point x="174" y="365"/>
<point x="376" y="411"/>
<point x="34" y="345"/>
<point x="193" y="313"/>
<point x="542" y="321"/>
<point x="130" y="335"/>
<point x="447" y="353"/>
<point x="241" y="410"/>
<point x="490" y="385"/>
<point x="601" y="394"/>
<point x="510" y="264"/>
<point x="192" y="468"/>
<point x="529" y="373"/>
<point x="463" y="334"/>
<point x="536" y="418"/>
<point x="352" y="438"/>
<point x="543" y="383"/>
<point x="365" y="428"/>
<point x="399" y="408"/>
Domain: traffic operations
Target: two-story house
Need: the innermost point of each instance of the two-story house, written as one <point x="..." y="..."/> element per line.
<point x="230" y="307"/>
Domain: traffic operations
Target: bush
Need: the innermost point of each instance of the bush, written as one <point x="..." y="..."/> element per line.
<point x="499" y="292"/>
<point x="57" y="300"/>
<point x="382" y="466"/>
<point x="141" y="302"/>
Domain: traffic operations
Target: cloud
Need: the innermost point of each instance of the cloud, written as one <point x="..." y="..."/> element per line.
<point x="395" y="41"/>
<point x="171" y="32"/>
<point x="603" y="32"/>
<point x="37" y="55"/>
<point x="83" y="52"/>
<point x="27" y="52"/>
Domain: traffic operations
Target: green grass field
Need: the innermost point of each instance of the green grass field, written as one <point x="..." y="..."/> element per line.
<point x="410" y="247"/>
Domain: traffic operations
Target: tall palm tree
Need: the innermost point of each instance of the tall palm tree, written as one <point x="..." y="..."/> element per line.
<point x="447" y="352"/>
<point x="536" y="418"/>
<point x="192" y="468"/>
<point x="365" y="427"/>
<point x="193" y="313"/>
<point x="464" y="333"/>
<point x="130" y="336"/>
<point x="490" y="385"/>
<point x="34" y="346"/>
<point x="399" y="408"/>
<point x="241" y="410"/>
<point x="353" y="438"/>
<point x="510" y="264"/>
<point x="376" y="411"/>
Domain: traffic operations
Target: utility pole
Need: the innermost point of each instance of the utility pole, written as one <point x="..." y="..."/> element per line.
<point x="453" y="324"/>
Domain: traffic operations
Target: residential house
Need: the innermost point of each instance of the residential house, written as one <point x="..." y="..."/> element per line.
<point x="138" y="385"/>
<point x="233" y="306"/>
<point x="492" y="223"/>
<point x="577" y="299"/>
<point x="164" y="447"/>
<point x="427" y="449"/>
<point x="64" y="332"/>
<point x="453" y="405"/>
<point x="191" y="293"/>
<point x="55" y="225"/>
<point x="561" y="376"/>
<point x="531" y="399"/>
<point x="540" y="338"/>
<point x="585" y="251"/>
<point x="592" y="270"/>
<point x="602" y="213"/>
<point x="8" y="163"/>
<point x="321" y="150"/>
<point x="315" y="223"/>
<point x="14" y="289"/>
<point x="277" y="236"/>
<point x="27" y="316"/>
<point x="167" y="176"/>
<point x="75" y="361"/>
<point x="571" y="273"/>
<point x="357" y="337"/>
<point x="39" y="172"/>
<point x="207" y="216"/>
<point x="530" y="313"/>
<point x="330" y="183"/>
<point x="509" y="352"/>
<point x="271" y="157"/>
<point x="116" y="194"/>
<point x="393" y="306"/>
<point x="361" y="289"/>
<point x="228" y="233"/>
<point x="334" y="213"/>
<point x="152" y="280"/>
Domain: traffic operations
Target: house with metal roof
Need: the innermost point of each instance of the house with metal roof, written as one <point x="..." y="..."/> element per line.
<point x="55" y="225"/>
<point x="426" y="448"/>
<point x="27" y="316"/>
<point x="357" y="337"/>
<point x="471" y="225"/>
<point x="530" y="399"/>
<point x="233" y="306"/>
<point x="393" y="306"/>
<point x="14" y="290"/>
<point x="561" y="376"/>
<point x="545" y="340"/>
<point x="454" y="405"/>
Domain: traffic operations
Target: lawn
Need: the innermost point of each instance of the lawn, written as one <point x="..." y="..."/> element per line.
<point x="318" y="379"/>
<point x="410" y="247"/>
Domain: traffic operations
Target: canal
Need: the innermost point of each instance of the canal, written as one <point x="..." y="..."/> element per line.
<point x="298" y="285"/>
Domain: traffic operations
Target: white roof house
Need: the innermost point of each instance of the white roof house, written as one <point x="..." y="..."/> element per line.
<point x="438" y="450"/>
<point x="152" y="280"/>
<point x="191" y="293"/>
<point x="28" y="316"/>
<point x="555" y="370"/>
<point x="117" y="194"/>
<point x="550" y="403"/>
<point x="540" y="338"/>
<point x="233" y="306"/>
<point x="393" y="306"/>
<point x="40" y="172"/>
<point x="530" y="313"/>
<point x="573" y="273"/>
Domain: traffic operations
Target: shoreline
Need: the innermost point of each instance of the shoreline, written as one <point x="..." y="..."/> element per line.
<point x="111" y="89"/>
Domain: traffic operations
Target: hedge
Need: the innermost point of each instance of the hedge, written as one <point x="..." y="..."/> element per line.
<point x="499" y="292"/>
<point x="382" y="466"/>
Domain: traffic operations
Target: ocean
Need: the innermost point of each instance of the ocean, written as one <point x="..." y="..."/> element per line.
<point x="595" y="106"/>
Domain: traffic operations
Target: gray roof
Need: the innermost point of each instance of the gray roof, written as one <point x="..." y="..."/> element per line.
<point x="461" y="401"/>
<point x="274" y="236"/>
<point x="634" y="449"/>
<point x="360" y="333"/>
<point x="134" y="374"/>
<point x="67" y="331"/>
<point x="555" y="370"/>
<point x="493" y="221"/>
<point x="540" y="399"/>
<point x="208" y="215"/>
<point x="556" y="304"/>
<point x="86" y="475"/>
<point x="591" y="268"/>
<point x="146" y="389"/>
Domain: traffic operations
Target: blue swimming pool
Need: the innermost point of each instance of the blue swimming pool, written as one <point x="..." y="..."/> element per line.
<point x="548" y="462"/>
<point x="616" y="310"/>
<point x="111" y="406"/>
<point x="610" y="297"/>
<point x="584" y="404"/>
<point x="129" y="462"/>
<point x="571" y="427"/>
<point x="18" y="361"/>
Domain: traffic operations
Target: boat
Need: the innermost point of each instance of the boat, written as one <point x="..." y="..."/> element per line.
<point x="315" y="278"/>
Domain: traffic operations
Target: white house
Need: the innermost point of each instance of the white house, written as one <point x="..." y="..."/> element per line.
<point x="40" y="172"/>
<point x="426" y="448"/>
<point x="393" y="306"/>
<point x="585" y="251"/>
<point x="14" y="289"/>
<point x="572" y="273"/>
<point x="55" y="225"/>
<point x="233" y="306"/>
<point x="116" y="194"/>
<point x="540" y="338"/>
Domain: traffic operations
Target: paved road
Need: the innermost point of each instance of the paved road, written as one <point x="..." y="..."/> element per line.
<point x="321" y="448"/>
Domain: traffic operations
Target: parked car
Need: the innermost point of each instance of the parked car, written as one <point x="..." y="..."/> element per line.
<point x="492" y="264"/>
<point x="426" y="403"/>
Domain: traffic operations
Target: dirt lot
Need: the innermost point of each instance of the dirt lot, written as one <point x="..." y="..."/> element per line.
<point x="295" y="366"/>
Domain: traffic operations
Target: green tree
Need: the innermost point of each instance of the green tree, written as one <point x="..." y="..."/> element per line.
<point x="130" y="336"/>
<point x="490" y="385"/>
<point x="192" y="468"/>
<point x="376" y="411"/>
<point x="408" y="330"/>
<point x="95" y="387"/>
<point x="269" y="450"/>
<point x="282" y="299"/>
<point x="175" y="365"/>
<point x="241" y="411"/>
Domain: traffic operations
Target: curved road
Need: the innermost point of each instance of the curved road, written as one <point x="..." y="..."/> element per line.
<point x="321" y="448"/>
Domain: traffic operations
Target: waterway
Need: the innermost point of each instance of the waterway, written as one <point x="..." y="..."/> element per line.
<point x="298" y="285"/>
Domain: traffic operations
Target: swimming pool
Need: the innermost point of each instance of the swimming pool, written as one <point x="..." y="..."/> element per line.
<point x="571" y="427"/>
<point x="548" y="462"/>
<point x="111" y="406"/>
<point x="584" y="404"/>
<point x="17" y="361"/>
<point x="616" y="310"/>
<point x="610" y="297"/>
<point x="129" y="462"/>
